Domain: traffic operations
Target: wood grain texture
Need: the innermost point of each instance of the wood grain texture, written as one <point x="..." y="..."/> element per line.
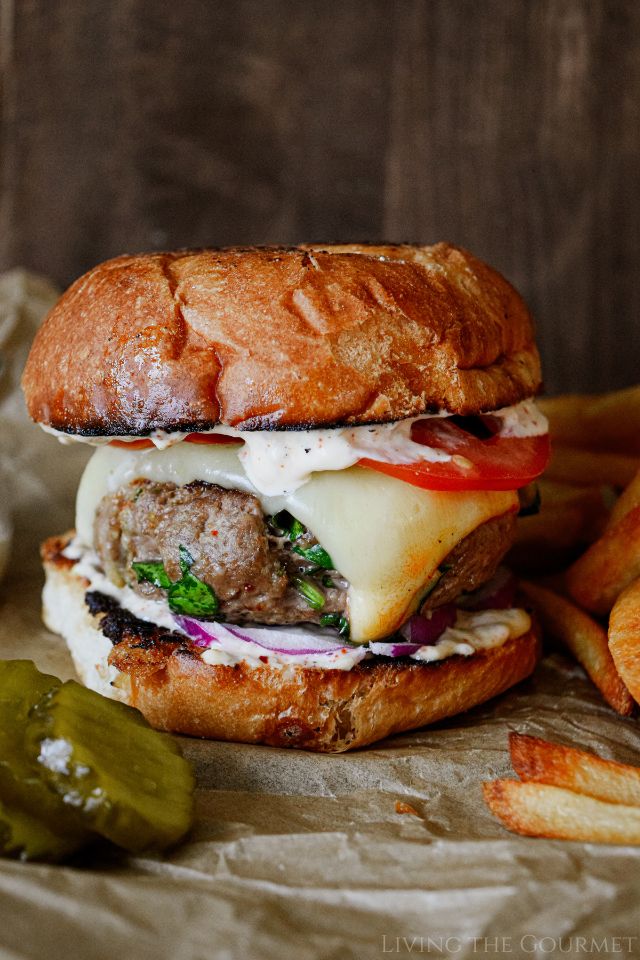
<point x="511" y="128"/>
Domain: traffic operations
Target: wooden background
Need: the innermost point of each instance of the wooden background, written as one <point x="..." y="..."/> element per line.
<point x="508" y="126"/>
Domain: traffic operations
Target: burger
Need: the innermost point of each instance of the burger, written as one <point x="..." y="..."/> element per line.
<point x="308" y="467"/>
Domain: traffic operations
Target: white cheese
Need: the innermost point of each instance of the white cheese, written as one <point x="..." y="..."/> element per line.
<point x="386" y="537"/>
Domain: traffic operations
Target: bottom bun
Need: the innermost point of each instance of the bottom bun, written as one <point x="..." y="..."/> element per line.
<point x="164" y="676"/>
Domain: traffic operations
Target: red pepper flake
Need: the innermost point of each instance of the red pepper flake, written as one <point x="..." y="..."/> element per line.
<point x="214" y="533"/>
<point x="264" y="659"/>
<point x="402" y="807"/>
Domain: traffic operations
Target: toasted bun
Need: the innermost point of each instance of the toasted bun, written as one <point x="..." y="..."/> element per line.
<point x="322" y="710"/>
<point x="268" y="337"/>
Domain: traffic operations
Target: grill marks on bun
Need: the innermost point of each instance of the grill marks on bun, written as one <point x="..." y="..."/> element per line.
<point x="266" y="337"/>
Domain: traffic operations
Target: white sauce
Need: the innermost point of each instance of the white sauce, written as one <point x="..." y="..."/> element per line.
<point x="480" y="630"/>
<point x="88" y="566"/>
<point x="278" y="462"/>
<point x="472" y="631"/>
<point x="522" y="420"/>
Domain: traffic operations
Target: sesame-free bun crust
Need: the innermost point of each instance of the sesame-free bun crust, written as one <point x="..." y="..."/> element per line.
<point x="322" y="710"/>
<point x="280" y="338"/>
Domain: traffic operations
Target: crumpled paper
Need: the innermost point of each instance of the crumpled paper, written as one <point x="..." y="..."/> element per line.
<point x="31" y="480"/>
<point x="303" y="855"/>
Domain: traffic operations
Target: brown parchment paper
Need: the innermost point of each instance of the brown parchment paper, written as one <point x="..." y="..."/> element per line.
<point x="299" y="855"/>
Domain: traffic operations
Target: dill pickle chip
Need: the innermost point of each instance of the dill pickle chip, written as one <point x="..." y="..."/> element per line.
<point x="35" y="823"/>
<point x="30" y="838"/>
<point x="129" y="782"/>
<point x="33" y="810"/>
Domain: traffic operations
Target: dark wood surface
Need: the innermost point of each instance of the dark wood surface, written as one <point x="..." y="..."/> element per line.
<point x="511" y="127"/>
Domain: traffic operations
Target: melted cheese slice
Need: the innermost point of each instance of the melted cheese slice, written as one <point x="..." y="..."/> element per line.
<point x="386" y="537"/>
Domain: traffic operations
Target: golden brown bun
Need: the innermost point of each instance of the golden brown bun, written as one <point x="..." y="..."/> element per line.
<point x="323" y="710"/>
<point x="268" y="337"/>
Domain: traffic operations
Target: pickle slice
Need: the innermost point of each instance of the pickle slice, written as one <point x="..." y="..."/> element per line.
<point x="38" y="823"/>
<point x="29" y="838"/>
<point x="129" y="782"/>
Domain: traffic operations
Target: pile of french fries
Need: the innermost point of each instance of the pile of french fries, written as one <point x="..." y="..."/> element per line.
<point x="596" y="453"/>
<point x="566" y="794"/>
<point x="582" y="551"/>
<point x="587" y="534"/>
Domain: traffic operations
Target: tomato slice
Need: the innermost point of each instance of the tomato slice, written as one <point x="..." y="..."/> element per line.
<point x="131" y="444"/>
<point x="190" y="438"/>
<point x="494" y="463"/>
<point x="211" y="438"/>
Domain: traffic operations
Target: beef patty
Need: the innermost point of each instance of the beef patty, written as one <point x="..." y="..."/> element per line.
<point x="253" y="570"/>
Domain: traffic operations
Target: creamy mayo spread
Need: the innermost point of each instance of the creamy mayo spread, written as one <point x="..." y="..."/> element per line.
<point x="479" y="630"/>
<point x="278" y="462"/>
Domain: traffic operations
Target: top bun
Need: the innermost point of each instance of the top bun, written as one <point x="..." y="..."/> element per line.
<point x="265" y="338"/>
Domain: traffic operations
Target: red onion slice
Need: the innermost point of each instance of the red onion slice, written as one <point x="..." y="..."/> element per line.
<point x="196" y="631"/>
<point x="418" y="631"/>
<point x="284" y="642"/>
<point x="426" y="629"/>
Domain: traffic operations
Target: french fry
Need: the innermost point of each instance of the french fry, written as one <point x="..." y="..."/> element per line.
<point x="589" y="467"/>
<point x="624" y="637"/>
<point x="607" y="421"/>
<point x="628" y="499"/>
<point x="536" y="760"/>
<point x="548" y="541"/>
<point x="539" y="810"/>
<point x="559" y="492"/>
<point x="586" y="640"/>
<point x="558" y="526"/>
<point x="599" y="576"/>
<point x="569" y="515"/>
